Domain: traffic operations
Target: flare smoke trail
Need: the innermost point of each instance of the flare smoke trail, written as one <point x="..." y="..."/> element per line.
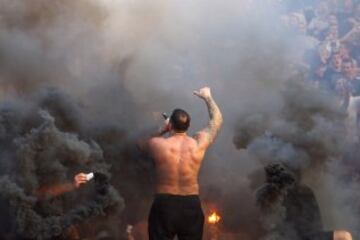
<point x="48" y="157"/>
<point x="103" y="69"/>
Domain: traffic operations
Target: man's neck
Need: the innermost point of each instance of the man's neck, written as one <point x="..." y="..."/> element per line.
<point x="173" y="133"/>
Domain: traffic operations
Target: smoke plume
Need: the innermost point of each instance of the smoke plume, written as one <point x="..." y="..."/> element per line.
<point x="82" y="81"/>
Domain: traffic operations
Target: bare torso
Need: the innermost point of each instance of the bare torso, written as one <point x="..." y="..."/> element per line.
<point x="178" y="159"/>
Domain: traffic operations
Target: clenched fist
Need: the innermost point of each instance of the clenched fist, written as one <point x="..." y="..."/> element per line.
<point x="203" y="93"/>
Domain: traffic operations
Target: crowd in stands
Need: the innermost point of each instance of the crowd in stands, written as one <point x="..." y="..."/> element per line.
<point x="327" y="34"/>
<point x="330" y="31"/>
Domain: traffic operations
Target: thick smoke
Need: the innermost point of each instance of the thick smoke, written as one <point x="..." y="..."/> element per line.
<point x="48" y="158"/>
<point x="270" y="198"/>
<point x="304" y="131"/>
<point x="304" y="135"/>
<point x="105" y="69"/>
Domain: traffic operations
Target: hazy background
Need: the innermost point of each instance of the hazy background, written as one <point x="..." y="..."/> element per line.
<point x="106" y="69"/>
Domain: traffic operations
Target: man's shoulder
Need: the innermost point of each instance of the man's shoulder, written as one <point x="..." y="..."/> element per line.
<point x="193" y="141"/>
<point x="191" y="138"/>
<point x="200" y="133"/>
<point x="156" y="141"/>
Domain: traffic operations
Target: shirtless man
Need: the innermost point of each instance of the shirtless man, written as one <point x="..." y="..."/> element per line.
<point x="177" y="209"/>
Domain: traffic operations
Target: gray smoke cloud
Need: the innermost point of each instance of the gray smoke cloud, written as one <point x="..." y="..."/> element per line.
<point x="302" y="134"/>
<point x="105" y="70"/>
<point x="48" y="157"/>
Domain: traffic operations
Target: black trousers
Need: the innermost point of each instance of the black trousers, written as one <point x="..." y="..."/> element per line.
<point x="172" y="215"/>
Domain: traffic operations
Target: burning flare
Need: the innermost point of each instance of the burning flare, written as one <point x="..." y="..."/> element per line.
<point x="214" y="218"/>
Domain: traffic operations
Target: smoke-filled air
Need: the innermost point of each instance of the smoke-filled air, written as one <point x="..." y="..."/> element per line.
<point x="81" y="82"/>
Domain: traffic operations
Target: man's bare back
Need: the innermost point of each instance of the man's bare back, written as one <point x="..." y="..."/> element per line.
<point x="178" y="157"/>
<point x="177" y="161"/>
<point x="176" y="210"/>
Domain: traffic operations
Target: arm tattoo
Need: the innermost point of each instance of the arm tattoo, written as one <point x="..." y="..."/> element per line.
<point x="215" y="118"/>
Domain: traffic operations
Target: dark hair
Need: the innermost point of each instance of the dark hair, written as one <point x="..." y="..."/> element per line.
<point x="180" y="120"/>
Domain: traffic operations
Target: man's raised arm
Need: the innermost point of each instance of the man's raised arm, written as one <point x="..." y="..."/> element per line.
<point x="206" y="136"/>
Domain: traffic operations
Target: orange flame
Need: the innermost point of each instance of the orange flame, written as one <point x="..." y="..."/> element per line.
<point x="214" y="218"/>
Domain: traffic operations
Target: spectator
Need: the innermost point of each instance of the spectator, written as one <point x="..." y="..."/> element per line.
<point x="319" y="64"/>
<point x="353" y="36"/>
<point x="333" y="72"/>
<point x="344" y="52"/>
<point x="349" y="83"/>
<point x="345" y="11"/>
<point x="351" y="77"/>
<point x="332" y="19"/>
<point x="305" y="41"/>
<point x="320" y="22"/>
